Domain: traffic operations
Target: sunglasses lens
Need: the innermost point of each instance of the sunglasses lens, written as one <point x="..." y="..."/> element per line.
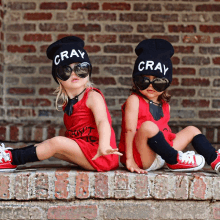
<point x="82" y="70"/>
<point x="64" y="72"/>
<point x="141" y="82"/>
<point x="160" y="84"/>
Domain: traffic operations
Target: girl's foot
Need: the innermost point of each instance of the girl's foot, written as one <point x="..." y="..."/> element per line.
<point x="6" y="159"/>
<point x="188" y="161"/>
<point x="216" y="163"/>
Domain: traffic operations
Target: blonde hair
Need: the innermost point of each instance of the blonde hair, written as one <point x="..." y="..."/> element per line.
<point x="62" y="94"/>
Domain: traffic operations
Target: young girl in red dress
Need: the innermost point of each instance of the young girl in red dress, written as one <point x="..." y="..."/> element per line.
<point x="147" y="141"/>
<point x="89" y="139"/>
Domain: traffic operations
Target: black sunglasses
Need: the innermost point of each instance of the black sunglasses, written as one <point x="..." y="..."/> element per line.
<point x="82" y="70"/>
<point x="143" y="82"/>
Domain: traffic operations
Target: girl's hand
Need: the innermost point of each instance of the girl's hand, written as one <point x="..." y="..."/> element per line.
<point x="106" y="151"/>
<point x="133" y="167"/>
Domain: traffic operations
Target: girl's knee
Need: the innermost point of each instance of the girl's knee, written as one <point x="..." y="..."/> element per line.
<point x="193" y="130"/>
<point x="149" y="128"/>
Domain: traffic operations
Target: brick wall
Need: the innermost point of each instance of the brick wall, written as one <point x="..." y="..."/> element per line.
<point x="111" y="30"/>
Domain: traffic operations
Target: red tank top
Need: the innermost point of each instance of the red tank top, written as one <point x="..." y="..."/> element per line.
<point x="145" y="115"/>
<point x="81" y="127"/>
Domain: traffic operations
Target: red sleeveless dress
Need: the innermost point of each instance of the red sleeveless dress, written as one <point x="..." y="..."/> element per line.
<point x="81" y="128"/>
<point x="145" y="115"/>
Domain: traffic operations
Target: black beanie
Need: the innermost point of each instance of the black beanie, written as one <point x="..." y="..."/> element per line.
<point x="66" y="51"/>
<point x="154" y="58"/>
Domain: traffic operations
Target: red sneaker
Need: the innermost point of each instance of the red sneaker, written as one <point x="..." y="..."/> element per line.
<point x="216" y="163"/>
<point x="6" y="159"/>
<point x="188" y="161"/>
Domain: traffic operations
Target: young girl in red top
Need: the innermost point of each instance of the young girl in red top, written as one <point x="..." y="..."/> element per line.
<point x="147" y="141"/>
<point x="89" y="140"/>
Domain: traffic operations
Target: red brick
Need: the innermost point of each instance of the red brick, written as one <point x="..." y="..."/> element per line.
<point x="21" y="27"/>
<point x="14" y="133"/>
<point x="50" y="132"/>
<point x="119" y="28"/>
<point x="216" y="40"/>
<point x="38" y="134"/>
<point x="86" y="6"/>
<point x="36" y="59"/>
<point x="73" y="212"/>
<point x="92" y="49"/>
<point x="86" y="27"/>
<point x="43" y="48"/>
<point x="61" y="184"/>
<point x="175" y="60"/>
<point x="216" y="60"/>
<point x="21" y="91"/>
<point x="11" y="37"/>
<point x="133" y="17"/>
<point x="196" y="39"/>
<point x="118" y="49"/>
<point x="150" y="28"/>
<point x="206" y="8"/>
<point x="178" y="7"/>
<point x="170" y="38"/>
<point x="104" y="80"/>
<point x="141" y="187"/>
<point x="82" y="185"/>
<point x="38" y="37"/>
<point x="182" y="92"/>
<point x="102" y="16"/>
<point x="59" y="27"/>
<point x="2" y="133"/>
<point x="199" y="189"/>
<point x="21" y="49"/>
<point x="209" y="114"/>
<point x="164" y="17"/>
<point x="210" y="28"/>
<point x="182" y="28"/>
<point x="195" y="17"/>
<point x="210" y="134"/>
<point x="116" y="6"/>
<point x="101" y="186"/>
<point x="36" y="102"/>
<point x="46" y="91"/>
<point x="181" y="190"/>
<point x="21" y="5"/>
<point x="102" y="38"/>
<point x="118" y="70"/>
<point x="195" y="103"/>
<point x="193" y="60"/>
<point x="22" y="186"/>
<point x="131" y="38"/>
<point x="195" y="82"/>
<point x="82" y="36"/>
<point x="147" y="7"/>
<point x="41" y="185"/>
<point x="182" y="49"/>
<point x="175" y="82"/>
<point x="37" y="16"/>
<point x="21" y="113"/>
<point x="4" y="187"/>
<point x="62" y="131"/>
<point x="103" y="59"/>
<point x="52" y="5"/>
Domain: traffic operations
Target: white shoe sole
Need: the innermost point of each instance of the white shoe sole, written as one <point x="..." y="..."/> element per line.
<point x="192" y="169"/>
<point x="7" y="170"/>
<point x="217" y="169"/>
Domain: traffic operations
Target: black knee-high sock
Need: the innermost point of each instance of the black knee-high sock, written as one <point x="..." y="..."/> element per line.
<point x="24" y="155"/>
<point x="203" y="147"/>
<point x="160" y="146"/>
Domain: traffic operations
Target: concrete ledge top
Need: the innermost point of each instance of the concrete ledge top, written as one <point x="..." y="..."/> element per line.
<point x="54" y="182"/>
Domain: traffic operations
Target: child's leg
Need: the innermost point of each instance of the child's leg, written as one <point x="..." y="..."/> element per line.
<point x="199" y="142"/>
<point x="147" y="134"/>
<point x="66" y="147"/>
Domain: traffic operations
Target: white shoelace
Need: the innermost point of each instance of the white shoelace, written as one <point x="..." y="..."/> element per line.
<point x="3" y="154"/>
<point x="186" y="157"/>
